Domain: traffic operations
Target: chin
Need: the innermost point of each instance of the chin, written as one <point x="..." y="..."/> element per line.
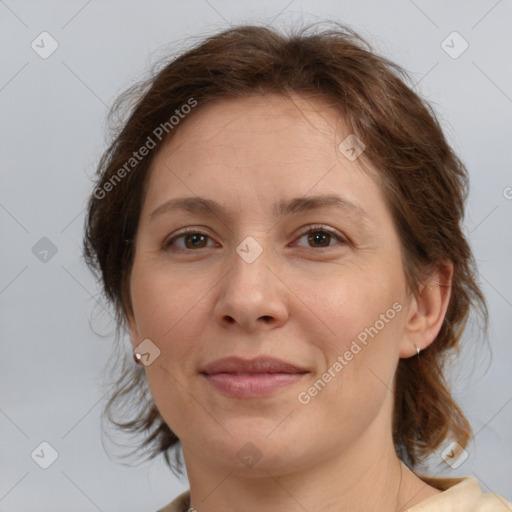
<point x="259" y="454"/>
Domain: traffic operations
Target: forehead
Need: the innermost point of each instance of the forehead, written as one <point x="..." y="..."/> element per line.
<point x="268" y="145"/>
<point x="274" y="118"/>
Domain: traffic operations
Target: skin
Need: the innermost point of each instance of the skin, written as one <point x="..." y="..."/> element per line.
<point x="302" y="301"/>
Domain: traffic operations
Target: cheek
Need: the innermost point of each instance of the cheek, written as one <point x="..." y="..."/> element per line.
<point x="360" y="355"/>
<point x="163" y="303"/>
<point x="183" y="411"/>
<point x="361" y="349"/>
<point x="175" y="330"/>
<point x="167" y="315"/>
<point x="356" y="310"/>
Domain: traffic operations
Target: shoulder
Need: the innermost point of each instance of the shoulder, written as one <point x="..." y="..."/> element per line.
<point x="461" y="494"/>
<point x="180" y="504"/>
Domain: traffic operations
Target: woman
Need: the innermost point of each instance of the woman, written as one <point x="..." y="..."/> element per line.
<point x="278" y="225"/>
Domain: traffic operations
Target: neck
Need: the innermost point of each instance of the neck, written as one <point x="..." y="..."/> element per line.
<point x="367" y="475"/>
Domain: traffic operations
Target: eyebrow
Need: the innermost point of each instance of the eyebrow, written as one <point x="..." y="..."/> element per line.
<point x="202" y="205"/>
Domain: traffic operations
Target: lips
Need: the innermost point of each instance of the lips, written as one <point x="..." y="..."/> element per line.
<point x="248" y="379"/>
<point x="260" y="365"/>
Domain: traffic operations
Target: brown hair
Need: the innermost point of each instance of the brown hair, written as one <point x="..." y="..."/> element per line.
<point x="424" y="182"/>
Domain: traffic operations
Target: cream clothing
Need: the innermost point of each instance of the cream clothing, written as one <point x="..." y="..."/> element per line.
<point x="459" y="495"/>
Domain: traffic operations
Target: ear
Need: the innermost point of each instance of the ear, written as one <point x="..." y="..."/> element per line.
<point x="426" y="312"/>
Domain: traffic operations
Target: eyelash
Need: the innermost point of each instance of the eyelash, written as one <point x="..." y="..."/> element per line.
<point x="167" y="245"/>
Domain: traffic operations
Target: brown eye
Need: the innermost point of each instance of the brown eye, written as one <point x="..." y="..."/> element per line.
<point x="320" y="237"/>
<point x="191" y="239"/>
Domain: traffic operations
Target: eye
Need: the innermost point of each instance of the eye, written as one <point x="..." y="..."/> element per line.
<point x="322" y="236"/>
<point x="194" y="239"/>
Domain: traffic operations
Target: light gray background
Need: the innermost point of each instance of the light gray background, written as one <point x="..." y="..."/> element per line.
<point x="52" y="133"/>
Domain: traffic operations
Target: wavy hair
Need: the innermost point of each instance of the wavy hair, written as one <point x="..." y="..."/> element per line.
<point x="424" y="183"/>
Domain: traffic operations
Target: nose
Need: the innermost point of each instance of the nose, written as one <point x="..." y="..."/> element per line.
<point x="252" y="295"/>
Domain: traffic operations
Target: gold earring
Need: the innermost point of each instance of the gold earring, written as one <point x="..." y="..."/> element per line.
<point x="418" y="350"/>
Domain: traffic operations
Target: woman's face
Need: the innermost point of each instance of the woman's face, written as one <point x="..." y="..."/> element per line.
<point x="320" y="286"/>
